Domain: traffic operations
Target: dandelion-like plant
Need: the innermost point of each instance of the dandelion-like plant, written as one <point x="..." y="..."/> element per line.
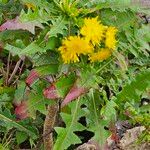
<point x="95" y="40"/>
<point x="72" y="47"/>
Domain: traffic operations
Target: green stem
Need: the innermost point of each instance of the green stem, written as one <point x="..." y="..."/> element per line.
<point x="105" y="65"/>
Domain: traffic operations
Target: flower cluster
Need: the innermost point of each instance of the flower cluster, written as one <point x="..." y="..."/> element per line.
<point x="73" y="47"/>
<point x="95" y="40"/>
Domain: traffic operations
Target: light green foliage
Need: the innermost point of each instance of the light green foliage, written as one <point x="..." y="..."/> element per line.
<point x="36" y="101"/>
<point x="4" y="100"/>
<point x="58" y="27"/>
<point x="21" y="137"/>
<point x="47" y="69"/>
<point x="97" y="118"/>
<point x="129" y="99"/>
<point x="88" y="78"/>
<point x="9" y="122"/>
<point x="6" y="90"/>
<point x="64" y="84"/>
<point x="138" y="46"/>
<point x="20" y="92"/>
<point x="114" y="86"/>
<point x="66" y="136"/>
<point x="132" y="91"/>
<point x="48" y="59"/>
<point x="121" y="20"/>
<point x="30" y="50"/>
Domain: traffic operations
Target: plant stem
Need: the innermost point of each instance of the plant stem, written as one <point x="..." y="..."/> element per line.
<point x="15" y="69"/>
<point x="48" y="126"/>
<point x="8" y="69"/>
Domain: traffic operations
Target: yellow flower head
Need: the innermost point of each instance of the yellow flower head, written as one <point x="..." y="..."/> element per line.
<point x="30" y="6"/>
<point x="110" y="41"/>
<point x="100" y="56"/>
<point x="72" y="47"/>
<point x="93" y="30"/>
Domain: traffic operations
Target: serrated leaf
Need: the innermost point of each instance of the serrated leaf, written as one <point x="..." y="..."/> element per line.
<point x="58" y="27"/>
<point x="9" y="121"/>
<point x="36" y="100"/>
<point x="121" y="20"/>
<point x="133" y="90"/>
<point x="87" y="78"/>
<point x="44" y="59"/>
<point x="16" y="24"/>
<point x="31" y="49"/>
<point x="108" y="111"/>
<point x="12" y="49"/>
<point x="95" y="121"/>
<point x="41" y="14"/>
<point x="66" y="136"/>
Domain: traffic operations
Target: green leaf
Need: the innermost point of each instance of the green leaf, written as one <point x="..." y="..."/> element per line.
<point x="97" y="119"/>
<point x="108" y="111"/>
<point x="20" y="91"/>
<point x="12" y="49"/>
<point x="4" y="99"/>
<point x="121" y="20"/>
<point x="31" y="49"/>
<point x="47" y="69"/>
<point x="122" y="5"/>
<point x="8" y="120"/>
<point x="66" y="136"/>
<point x="21" y="137"/>
<point x="3" y="148"/>
<point x="6" y="89"/>
<point x="132" y="91"/>
<point x="36" y="102"/>
<point x="64" y="84"/>
<point x="45" y="59"/>
<point x="87" y="78"/>
<point x="52" y="43"/>
<point x="41" y="14"/>
<point x="58" y="27"/>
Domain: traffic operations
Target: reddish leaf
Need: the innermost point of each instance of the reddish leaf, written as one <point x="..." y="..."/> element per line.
<point x="21" y="111"/>
<point x="32" y="77"/>
<point x="115" y="137"/>
<point x="74" y="93"/>
<point x="51" y="92"/>
<point x="16" y="24"/>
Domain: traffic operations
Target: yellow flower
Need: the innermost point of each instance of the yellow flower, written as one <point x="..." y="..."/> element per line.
<point x="30" y="6"/>
<point x="93" y="30"/>
<point x="110" y="41"/>
<point x="100" y="55"/>
<point x="72" y="47"/>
